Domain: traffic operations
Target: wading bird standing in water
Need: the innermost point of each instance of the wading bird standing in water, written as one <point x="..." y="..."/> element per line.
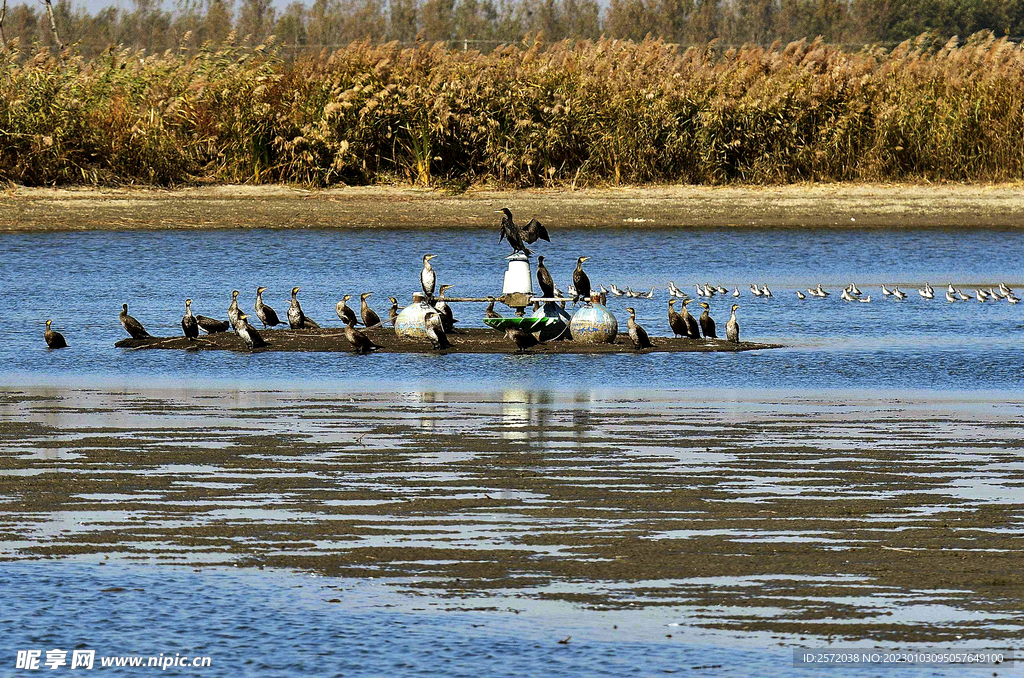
<point x="54" y="339"/>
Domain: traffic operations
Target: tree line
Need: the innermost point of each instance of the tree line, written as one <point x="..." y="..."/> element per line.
<point x="485" y="24"/>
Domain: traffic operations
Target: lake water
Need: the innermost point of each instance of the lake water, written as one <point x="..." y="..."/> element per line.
<point x="758" y="492"/>
<point x="81" y="279"/>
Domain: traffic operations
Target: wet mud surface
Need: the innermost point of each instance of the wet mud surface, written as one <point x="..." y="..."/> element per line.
<point x="822" y="205"/>
<point x="472" y="340"/>
<point x="890" y="520"/>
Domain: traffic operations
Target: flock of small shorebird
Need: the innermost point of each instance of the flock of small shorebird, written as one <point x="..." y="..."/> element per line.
<point x="439" y="319"/>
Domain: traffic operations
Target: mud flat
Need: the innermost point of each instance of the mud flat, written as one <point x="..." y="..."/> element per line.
<point x="817" y="205"/>
<point x="892" y="520"/>
<point x="472" y="340"/>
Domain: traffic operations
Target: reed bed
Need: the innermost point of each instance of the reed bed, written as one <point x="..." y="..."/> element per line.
<point x="565" y="114"/>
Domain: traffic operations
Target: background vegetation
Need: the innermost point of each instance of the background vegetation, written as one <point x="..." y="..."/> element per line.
<point x="568" y="113"/>
<point x="484" y="24"/>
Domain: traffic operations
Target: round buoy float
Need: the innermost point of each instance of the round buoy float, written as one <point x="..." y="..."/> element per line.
<point x="594" y="324"/>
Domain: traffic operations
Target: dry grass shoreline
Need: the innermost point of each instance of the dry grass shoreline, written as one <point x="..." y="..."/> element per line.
<point x="280" y="206"/>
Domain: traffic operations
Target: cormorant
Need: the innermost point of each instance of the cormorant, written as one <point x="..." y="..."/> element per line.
<point x="393" y="313"/>
<point x="444" y="310"/>
<point x="707" y="323"/>
<point x="428" y="278"/>
<point x="212" y="325"/>
<point x="297" y="320"/>
<point x="248" y="333"/>
<point x="360" y="342"/>
<point x="54" y="339"/>
<point x="370" y="317"/>
<point x="637" y="334"/>
<point x="490" y="312"/>
<point x="132" y="326"/>
<point x="675" y="321"/>
<point x="267" y="315"/>
<point x="189" y="324"/>
<point x="732" y="328"/>
<point x="519" y="237"/>
<point x="544" y="279"/>
<point x="692" y="328"/>
<point x="522" y="339"/>
<point x="233" y="311"/>
<point x="344" y="312"/>
<point x="435" y="330"/>
<point x="581" y="281"/>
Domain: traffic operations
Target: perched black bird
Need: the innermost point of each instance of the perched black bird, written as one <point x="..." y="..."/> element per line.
<point x="732" y="328"/>
<point x="234" y="313"/>
<point x="490" y="312"/>
<point x="581" y="281"/>
<point x="344" y="312"/>
<point x="132" y="326"/>
<point x="267" y="315"/>
<point x="547" y="283"/>
<point x="393" y="313"/>
<point x="248" y="333"/>
<point x="360" y="342"/>
<point x="54" y="339"/>
<point x="521" y="338"/>
<point x="297" y="320"/>
<point x="369" y="316"/>
<point x="692" y="328"/>
<point x="212" y="325"/>
<point x="707" y="323"/>
<point x="444" y="310"/>
<point x="637" y="334"/>
<point x="520" y="237"/>
<point x="189" y="324"/>
<point x="428" y="278"/>
<point x="435" y="330"/>
<point x="675" y="321"/>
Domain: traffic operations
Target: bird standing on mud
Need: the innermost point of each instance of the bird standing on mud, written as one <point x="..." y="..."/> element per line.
<point x="297" y="320"/>
<point x="132" y="326"/>
<point x="444" y="310"/>
<point x="234" y="313"/>
<point x="581" y="281"/>
<point x="345" y="313"/>
<point x="521" y="338"/>
<point x="435" y="330"/>
<point x="393" y="313"/>
<point x="707" y="323"/>
<point x="54" y="339"/>
<point x="248" y="333"/>
<point x="675" y="321"/>
<point x="637" y="334"/>
<point x="359" y="341"/>
<point x="267" y="315"/>
<point x="189" y="324"/>
<point x="518" y="237"/>
<point x="692" y="328"/>
<point x="732" y="328"/>
<point x="369" y="316"/>
<point x="428" y="278"/>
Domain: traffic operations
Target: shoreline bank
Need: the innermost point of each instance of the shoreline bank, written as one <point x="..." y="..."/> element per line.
<point x="25" y="209"/>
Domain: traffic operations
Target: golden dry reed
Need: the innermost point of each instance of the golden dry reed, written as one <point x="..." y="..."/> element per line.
<point x="565" y="114"/>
